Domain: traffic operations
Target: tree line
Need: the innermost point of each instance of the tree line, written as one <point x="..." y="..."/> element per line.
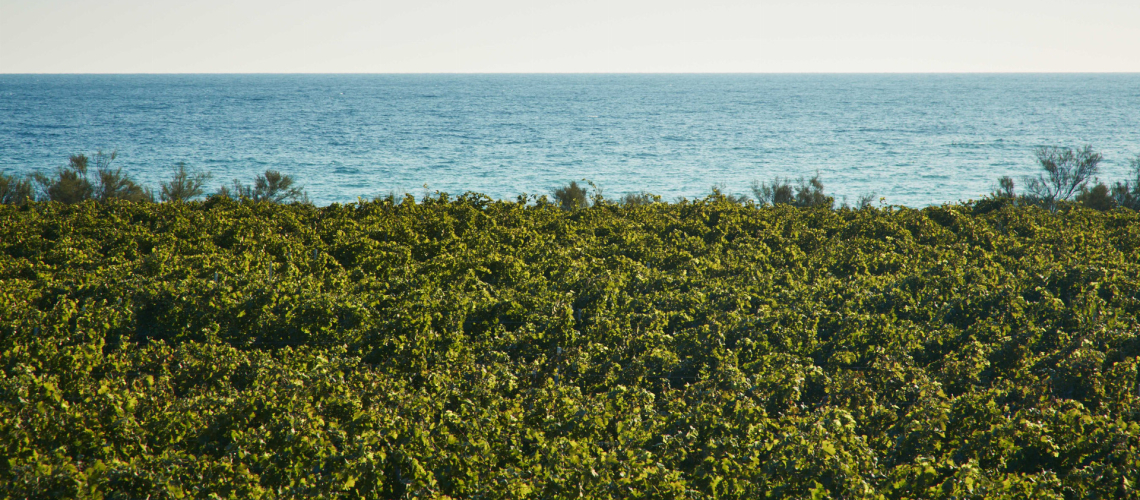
<point x="1067" y="175"/>
<point x="77" y="182"/>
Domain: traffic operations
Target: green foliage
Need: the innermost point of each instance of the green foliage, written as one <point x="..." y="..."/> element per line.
<point x="470" y="348"/>
<point x="1127" y="193"/>
<point x="72" y="184"/>
<point x="640" y="199"/>
<point x="1005" y="188"/>
<point x="114" y="185"/>
<point x="1097" y="198"/>
<point x="272" y="187"/>
<point x="1066" y="173"/>
<point x="864" y="201"/>
<point x="184" y="185"/>
<point x="807" y="193"/>
<point x="777" y="192"/>
<point x="69" y="184"/>
<point x="15" y="190"/>
<point x="571" y="196"/>
<point x="717" y="193"/>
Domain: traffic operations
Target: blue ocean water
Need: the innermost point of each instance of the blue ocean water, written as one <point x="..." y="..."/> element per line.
<point x="913" y="139"/>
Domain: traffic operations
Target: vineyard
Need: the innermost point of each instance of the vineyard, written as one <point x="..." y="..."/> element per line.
<point x="471" y="348"/>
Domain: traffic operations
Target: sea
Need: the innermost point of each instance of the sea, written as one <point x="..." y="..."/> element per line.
<point x="908" y="139"/>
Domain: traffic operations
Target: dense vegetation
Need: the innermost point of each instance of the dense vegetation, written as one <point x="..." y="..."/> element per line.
<point x="470" y="348"/>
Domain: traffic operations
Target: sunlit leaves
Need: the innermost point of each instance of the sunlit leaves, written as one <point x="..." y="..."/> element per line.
<point x="470" y="348"/>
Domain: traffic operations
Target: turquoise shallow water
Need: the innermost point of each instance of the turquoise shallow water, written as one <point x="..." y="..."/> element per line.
<point x="913" y="139"/>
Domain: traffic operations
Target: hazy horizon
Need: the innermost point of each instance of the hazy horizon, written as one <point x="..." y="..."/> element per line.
<point x="476" y="73"/>
<point x="583" y="37"/>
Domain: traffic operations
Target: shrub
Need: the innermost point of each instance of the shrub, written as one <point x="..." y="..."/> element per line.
<point x="69" y="184"/>
<point x="1066" y="172"/>
<point x="72" y="183"/>
<point x="778" y="192"/>
<point x="1097" y="198"/>
<point x="571" y="196"/>
<point x="865" y="200"/>
<point x="810" y="194"/>
<point x="15" y="190"/>
<point x="807" y="193"/>
<point x="716" y="193"/>
<point x="1005" y="188"/>
<point x="184" y="185"/>
<point x="391" y="198"/>
<point x="272" y="186"/>
<point x="1127" y="193"/>
<point x="113" y="184"/>
<point x="597" y="198"/>
<point x="639" y="199"/>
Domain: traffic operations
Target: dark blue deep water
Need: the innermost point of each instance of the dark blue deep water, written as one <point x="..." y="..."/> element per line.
<point x="914" y="139"/>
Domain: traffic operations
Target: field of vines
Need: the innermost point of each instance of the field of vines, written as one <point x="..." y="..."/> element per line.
<point x="470" y="348"/>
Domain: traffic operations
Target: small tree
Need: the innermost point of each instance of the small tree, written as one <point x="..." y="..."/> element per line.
<point x="810" y="194"/>
<point x="805" y="193"/>
<point x="1066" y="172"/>
<point x="389" y="198"/>
<point x="72" y="183"/>
<point x="777" y="192"/>
<point x="15" y="190"/>
<point x="598" y="198"/>
<point x="571" y="196"/>
<point x="1127" y="193"/>
<point x="717" y="194"/>
<point x="272" y="186"/>
<point x="1005" y="188"/>
<point x="184" y="185"/>
<point x="1097" y="198"/>
<point x="113" y="184"/>
<point x="640" y="199"/>
<point x="68" y="184"/>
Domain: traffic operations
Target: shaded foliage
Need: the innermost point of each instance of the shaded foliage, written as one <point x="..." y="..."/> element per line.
<point x="571" y="196"/>
<point x="717" y="193"/>
<point x="115" y="185"/>
<point x="1097" y="198"/>
<point x="640" y="199"/>
<point x="16" y="190"/>
<point x="1127" y="193"/>
<point x="69" y="184"/>
<point x="1006" y="188"/>
<point x="73" y="184"/>
<point x="184" y="185"/>
<point x="777" y="192"/>
<point x="805" y="193"/>
<point x="272" y="187"/>
<point x="1066" y="174"/>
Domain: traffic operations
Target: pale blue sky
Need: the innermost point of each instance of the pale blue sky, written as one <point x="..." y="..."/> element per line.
<point x="355" y="36"/>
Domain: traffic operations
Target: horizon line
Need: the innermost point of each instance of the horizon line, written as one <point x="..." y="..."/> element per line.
<point x="3" y="73"/>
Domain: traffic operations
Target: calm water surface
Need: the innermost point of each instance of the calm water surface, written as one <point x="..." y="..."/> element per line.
<point x="914" y="139"/>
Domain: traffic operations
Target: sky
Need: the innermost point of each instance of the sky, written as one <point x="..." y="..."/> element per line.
<point x="581" y="36"/>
